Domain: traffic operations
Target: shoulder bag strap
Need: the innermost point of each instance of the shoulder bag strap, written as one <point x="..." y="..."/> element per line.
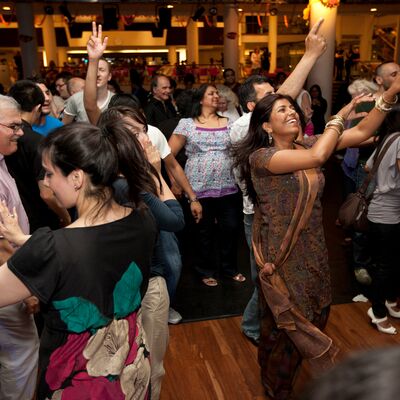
<point x="378" y="158"/>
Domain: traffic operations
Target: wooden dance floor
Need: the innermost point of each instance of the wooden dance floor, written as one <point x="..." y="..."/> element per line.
<point x="212" y="360"/>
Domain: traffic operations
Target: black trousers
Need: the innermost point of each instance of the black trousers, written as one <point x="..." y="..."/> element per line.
<point x="384" y="240"/>
<point x="217" y="234"/>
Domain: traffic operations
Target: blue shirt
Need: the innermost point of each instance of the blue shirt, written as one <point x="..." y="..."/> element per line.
<point x="50" y="123"/>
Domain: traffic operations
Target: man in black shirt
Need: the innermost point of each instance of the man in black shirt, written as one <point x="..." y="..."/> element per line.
<point x="25" y="164"/>
<point x="160" y="106"/>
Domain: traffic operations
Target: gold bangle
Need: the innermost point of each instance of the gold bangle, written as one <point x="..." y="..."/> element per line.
<point x="336" y="129"/>
<point x="381" y="106"/>
<point x="337" y="117"/>
<point x="391" y="103"/>
<point x="337" y="123"/>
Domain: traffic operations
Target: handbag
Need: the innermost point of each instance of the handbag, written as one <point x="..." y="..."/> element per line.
<point x="353" y="212"/>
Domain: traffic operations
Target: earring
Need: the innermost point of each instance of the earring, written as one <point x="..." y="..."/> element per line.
<point x="270" y="136"/>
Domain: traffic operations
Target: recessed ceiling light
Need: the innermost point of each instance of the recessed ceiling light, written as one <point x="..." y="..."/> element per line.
<point x="6" y="8"/>
<point x="240" y="9"/>
<point x="170" y="6"/>
<point x="373" y="9"/>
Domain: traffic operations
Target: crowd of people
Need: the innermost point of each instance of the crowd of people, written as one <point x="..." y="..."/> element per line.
<point x="93" y="187"/>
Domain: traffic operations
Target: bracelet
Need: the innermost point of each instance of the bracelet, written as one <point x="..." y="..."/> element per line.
<point x="391" y="103"/>
<point x="337" y="117"/>
<point x="382" y="106"/>
<point x="194" y="200"/>
<point x="337" y="125"/>
<point x="336" y="129"/>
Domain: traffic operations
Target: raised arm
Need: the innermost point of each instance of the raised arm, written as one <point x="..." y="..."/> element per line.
<point x="369" y="124"/>
<point x="95" y="48"/>
<point x="315" y="46"/>
<point x="290" y="160"/>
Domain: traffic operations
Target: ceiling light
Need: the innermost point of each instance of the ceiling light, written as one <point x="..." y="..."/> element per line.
<point x="6" y="8"/>
<point x="373" y="9"/>
<point x="170" y="6"/>
<point x="274" y="11"/>
<point x="213" y="11"/>
<point x="240" y="9"/>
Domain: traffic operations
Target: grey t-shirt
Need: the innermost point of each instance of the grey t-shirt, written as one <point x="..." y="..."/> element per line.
<point x="384" y="207"/>
<point x="76" y="108"/>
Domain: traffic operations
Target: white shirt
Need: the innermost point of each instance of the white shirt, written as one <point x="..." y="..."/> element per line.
<point x="158" y="140"/>
<point x="238" y="131"/>
<point x="76" y="108"/>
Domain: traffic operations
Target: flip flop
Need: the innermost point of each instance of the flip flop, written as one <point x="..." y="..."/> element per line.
<point x="210" y="281"/>
<point x="239" y="278"/>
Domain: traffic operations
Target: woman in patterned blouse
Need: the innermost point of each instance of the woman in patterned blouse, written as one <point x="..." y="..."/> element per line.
<point x="205" y="137"/>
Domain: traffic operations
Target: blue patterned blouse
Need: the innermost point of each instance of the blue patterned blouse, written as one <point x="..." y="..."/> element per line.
<point x="208" y="167"/>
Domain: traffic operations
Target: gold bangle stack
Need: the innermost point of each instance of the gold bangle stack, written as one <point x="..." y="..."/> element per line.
<point x="336" y="123"/>
<point x="383" y="105"/>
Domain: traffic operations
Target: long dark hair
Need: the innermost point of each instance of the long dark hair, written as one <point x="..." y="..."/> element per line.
<point x="102" y="153"/>
<point x="198" y="95"/>
<point x="315" y="86"/>
<point x="114" y="116"/>
<point x="255" y="139"/>
<point x="116" y="113"/>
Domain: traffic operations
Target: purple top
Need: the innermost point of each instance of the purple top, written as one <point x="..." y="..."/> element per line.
<point x="208" y="167"/>
<point x="9" y="193"/>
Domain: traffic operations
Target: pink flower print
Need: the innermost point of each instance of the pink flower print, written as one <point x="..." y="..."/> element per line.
<point x="66" y="359"/>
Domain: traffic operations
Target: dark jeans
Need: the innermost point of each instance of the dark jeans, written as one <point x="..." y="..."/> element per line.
<point x="385" y="270"/>
<point x="220" y="221"/>
<point x="172" y="261"/>
<point x="251" y="316"/>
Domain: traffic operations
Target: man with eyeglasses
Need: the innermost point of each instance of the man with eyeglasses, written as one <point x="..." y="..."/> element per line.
<point x="25" y="165"/>
<point x="19" y="342"/>
<point x="62" y="84"/>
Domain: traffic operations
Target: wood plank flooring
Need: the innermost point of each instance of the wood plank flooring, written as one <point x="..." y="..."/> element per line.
<point x="211" y="360"/>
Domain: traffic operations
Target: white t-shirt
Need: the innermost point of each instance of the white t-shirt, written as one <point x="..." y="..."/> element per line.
<point x="384" y="207"/>
<point x="158" y="140"/>
<point x="238" y="131"/>
<point x="75" y="107"/>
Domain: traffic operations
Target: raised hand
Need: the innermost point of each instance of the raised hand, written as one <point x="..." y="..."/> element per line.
<point x="315" y="42"/>
<point x="9" y="226"/>
<point x="346" y="111"/>
<point x="153" y="155"/>
<point x="96" y="45"/>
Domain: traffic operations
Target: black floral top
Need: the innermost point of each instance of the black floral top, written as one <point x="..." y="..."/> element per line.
<point x="90" y="282"/>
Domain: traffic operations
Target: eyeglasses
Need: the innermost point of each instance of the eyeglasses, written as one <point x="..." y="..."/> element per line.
<point x="15" y="127"/>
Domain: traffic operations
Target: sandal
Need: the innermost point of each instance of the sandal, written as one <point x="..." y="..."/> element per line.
<point x="239" y="278"/>
<point x="210" y="281"/>
<point x="391" y="330"/>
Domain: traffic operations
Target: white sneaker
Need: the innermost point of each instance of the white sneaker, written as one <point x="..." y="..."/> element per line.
<point x="174" y="317"/>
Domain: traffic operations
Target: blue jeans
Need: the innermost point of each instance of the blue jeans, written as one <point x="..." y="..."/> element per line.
<point x="171" y="257"/>
<point x="251" y="316"/>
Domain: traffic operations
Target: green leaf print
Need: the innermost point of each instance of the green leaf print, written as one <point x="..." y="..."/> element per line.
<point x="80" y="315"/>
<point x="127" y="291"/>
